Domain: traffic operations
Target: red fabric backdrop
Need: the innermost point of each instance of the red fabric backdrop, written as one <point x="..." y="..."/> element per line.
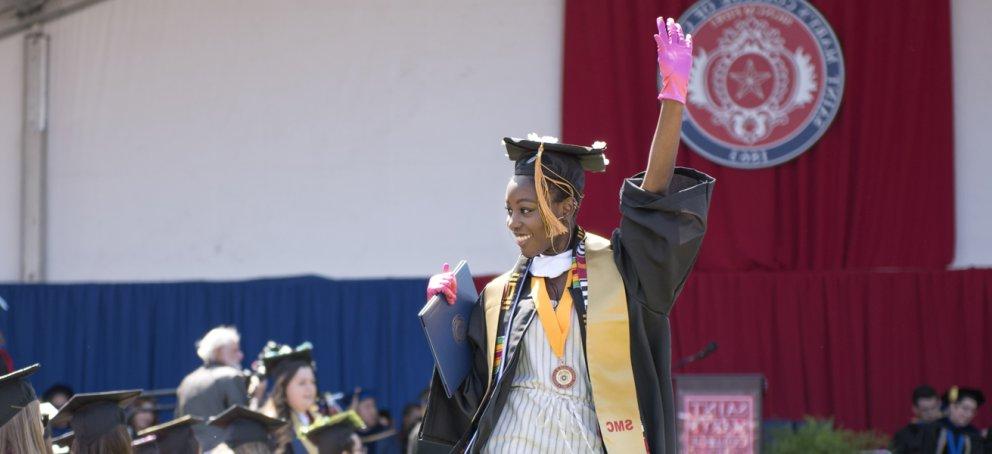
<point x="852" y="344"/>
<point x="824" y="273"/>
<point x="876" y="191"/>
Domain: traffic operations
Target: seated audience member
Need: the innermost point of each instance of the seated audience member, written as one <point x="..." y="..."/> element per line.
<point x="20" y="414"/>
<point x="378" y="436"/>
<point x="954" y="433"/>
<point x="216" y="385"/>
<point x="141" y="415"/>
<point x="97" y="422"/>
<point x="57" y="395"/>
<point x="926" y="409"/>
<point x="248" y="431"/>
<point x="336" y="434"/>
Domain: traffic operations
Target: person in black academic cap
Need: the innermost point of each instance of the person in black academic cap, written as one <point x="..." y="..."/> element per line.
<point x="20" y="414"/>
<point x="378" y="436"/>
<point x="293" y="395"/>
<point x="175" y="437"/>
<point x="926" y="410"/>
<point x="97" y="421"/>
<point x="954" y="433"/>
<point x="572" y="349"/>
<point x="336" y="434"/>
<point x="248" y="431"/>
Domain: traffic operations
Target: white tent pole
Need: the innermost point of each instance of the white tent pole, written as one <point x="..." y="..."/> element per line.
<point x="34" y="138"/>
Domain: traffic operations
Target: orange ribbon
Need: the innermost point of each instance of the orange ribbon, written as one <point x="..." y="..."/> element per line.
<point x="556" y="321"/>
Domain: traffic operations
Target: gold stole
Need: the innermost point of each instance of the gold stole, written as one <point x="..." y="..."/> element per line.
<point x="607" y="347"/>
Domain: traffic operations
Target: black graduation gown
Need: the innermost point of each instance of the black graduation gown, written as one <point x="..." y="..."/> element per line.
<point x="654" y="248"/>
<point x="931" y="437"/>
<point x="908" y="440"/>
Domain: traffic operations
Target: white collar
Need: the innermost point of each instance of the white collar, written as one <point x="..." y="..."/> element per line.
<point x="551" y="265"/>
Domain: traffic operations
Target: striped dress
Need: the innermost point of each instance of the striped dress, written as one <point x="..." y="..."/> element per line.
<point x="539" y="417"/>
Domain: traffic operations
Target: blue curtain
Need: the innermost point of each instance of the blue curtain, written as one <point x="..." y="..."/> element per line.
<point x="113" y="336"/>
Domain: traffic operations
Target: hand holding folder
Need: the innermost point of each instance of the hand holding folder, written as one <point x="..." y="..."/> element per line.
<point x="446" y="327"/>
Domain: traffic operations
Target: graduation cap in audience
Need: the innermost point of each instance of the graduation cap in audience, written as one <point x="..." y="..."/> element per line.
<point x="333" y="433"/>
<point x="144" y="445"/>
<point x="63" y="442"/>
<point x="245" y="426"/>
<point x="175" y="436"/>
<point x="275" y="354"/>
<point x="16" y="392"/>
<point x="557" y="165"/>
<point x="956" y="393"/>
<point x="92" y="415"/>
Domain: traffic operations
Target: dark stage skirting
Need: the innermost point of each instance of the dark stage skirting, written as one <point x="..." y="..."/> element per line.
<point x="848" y="344"/>
<point x="111" y="336"/>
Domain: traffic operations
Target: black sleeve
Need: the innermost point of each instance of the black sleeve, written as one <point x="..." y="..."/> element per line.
<point x="660" y="235"/>
<point x="446" y="420"/>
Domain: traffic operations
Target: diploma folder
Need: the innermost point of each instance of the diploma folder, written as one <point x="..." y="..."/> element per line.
<point x="446" y="328"/>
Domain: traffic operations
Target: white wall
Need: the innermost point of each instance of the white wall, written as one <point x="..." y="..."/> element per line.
<point x="230" y="139"/>
<point x="973" y="131"/>
<point x="11" y="67"/>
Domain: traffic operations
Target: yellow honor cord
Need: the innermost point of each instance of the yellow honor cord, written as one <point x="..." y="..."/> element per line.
<point x="556" y="322"/>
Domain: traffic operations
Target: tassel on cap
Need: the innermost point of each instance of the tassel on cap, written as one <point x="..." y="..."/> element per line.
<point x="553" y="226"/>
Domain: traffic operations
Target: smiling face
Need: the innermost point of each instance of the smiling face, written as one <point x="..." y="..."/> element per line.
<point x="962" y="412"/>
<point x="523" y="217"/>
<point x="301" y="390"/>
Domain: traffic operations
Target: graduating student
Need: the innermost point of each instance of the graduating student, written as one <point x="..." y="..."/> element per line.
<point x="248" y="431"/>
<point x="97" y="421"/>
<point x="572" y="345"/>
<point x="377" y="435"/>
<point x="294" y="394"/>
<point x="20" y="414"/>
<point x="954" y="434"/>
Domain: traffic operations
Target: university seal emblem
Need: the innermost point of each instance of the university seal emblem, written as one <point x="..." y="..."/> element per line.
<point x="767" y="80"/>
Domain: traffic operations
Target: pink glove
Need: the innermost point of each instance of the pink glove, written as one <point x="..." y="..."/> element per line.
<point x="443" y="283"/>
<point x="674" y="59"/>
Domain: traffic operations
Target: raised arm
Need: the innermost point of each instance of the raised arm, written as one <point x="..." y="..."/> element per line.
<point x="674" y="63"/>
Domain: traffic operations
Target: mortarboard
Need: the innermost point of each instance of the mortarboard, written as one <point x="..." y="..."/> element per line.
<point x="275" y="354"/>
<point x="92" y="415"/>
<point x="16" y="392"/>
<point x="245" y="426"/>
<point x="956" y="393"/>
<point x="331" y="433"/>
<point x="173" y="437"/>
<point x="555" y="164"/>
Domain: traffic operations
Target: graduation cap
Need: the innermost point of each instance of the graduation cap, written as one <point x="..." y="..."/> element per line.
<point x="16" y="392"/>
<point x="955" y="394"/>
<point x="275" y="354"/>
<point x="64" y="440"/>
<point x="92" y="415"/>
<point x="555" y="164"/>
<point x="245" y="426"/>
<point x="333" y="433"/>
<point x="144" y="445"/>
<point x="175" y="436"/>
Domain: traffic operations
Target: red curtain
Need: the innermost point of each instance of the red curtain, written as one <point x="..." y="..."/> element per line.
<point x="825" y="274"/>
<point x="849" y="344"/>
<point x="876" y="191"/>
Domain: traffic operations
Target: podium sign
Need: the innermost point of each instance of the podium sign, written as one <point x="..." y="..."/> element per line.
<point x="719" y="414"/>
